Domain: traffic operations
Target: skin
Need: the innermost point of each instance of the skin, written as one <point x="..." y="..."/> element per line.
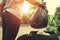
<point x="38" y="3"/>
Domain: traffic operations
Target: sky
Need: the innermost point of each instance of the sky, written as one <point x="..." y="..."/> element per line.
<point x="51" y="5"/>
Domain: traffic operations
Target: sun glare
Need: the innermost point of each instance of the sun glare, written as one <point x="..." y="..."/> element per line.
<point x="25" y="7"/>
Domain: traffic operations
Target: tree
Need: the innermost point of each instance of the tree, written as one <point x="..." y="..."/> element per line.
<point x="54" y="21"/>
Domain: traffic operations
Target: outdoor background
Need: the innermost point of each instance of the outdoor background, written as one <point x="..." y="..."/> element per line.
<point x="51" y="7"/>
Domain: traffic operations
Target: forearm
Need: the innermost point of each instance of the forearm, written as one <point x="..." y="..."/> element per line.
<point x="38" y="3"/>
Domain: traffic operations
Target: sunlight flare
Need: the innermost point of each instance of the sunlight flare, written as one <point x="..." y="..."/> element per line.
<point x="25" y="7"/>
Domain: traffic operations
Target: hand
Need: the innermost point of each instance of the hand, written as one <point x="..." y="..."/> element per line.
<point x="42" y="5"/>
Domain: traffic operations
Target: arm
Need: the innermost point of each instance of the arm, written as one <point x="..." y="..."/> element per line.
<point x="38" y="3"/>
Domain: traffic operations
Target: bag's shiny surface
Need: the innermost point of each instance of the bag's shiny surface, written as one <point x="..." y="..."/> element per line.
<point x="39" y="19"/>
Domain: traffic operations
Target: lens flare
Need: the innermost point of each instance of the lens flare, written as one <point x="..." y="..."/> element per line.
<point x="25" y="7"/>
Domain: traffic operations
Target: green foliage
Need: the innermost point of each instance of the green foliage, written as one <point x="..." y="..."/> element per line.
<point x="54" y="21"/>
<point x="57" y="15"/>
